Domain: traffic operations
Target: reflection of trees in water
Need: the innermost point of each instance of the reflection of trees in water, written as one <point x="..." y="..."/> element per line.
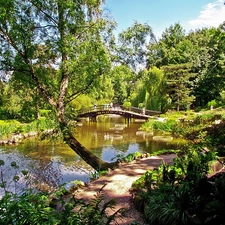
<point x="154" y="146"/>
<point x="118" y="149"/>
<point x="49" y="165"/>
<point x="43" y="174"/>
<point x="46" y="174"/>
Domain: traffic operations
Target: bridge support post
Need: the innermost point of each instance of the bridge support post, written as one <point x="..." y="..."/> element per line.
<point x="93" y="118"/>
<point x="127" y="119"/>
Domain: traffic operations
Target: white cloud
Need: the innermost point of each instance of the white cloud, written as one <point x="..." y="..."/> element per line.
<point x="212" y="15"/>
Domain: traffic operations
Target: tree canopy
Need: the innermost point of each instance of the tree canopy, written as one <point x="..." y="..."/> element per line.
<point x="59" y="48"/>
<point x="59" y="53"/>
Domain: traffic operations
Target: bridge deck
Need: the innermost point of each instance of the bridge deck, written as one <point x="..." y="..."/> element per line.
<point x="127" y="112"/>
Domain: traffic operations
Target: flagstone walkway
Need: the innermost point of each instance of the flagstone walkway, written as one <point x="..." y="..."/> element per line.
<point x="117" y="183"/>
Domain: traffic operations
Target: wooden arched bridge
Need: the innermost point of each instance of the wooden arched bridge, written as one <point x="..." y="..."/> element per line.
<point x="126" y="112"/>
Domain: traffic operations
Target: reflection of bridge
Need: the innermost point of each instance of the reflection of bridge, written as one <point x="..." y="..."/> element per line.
<point x="126" y="112"/>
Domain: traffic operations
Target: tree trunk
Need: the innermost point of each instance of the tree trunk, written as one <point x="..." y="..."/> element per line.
<point x="55" y="16"/>
<point x="37" y="106"/>
<point x="95" y="162"/>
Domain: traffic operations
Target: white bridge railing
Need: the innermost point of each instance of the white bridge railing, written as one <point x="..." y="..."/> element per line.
<point x="110" y="108"/>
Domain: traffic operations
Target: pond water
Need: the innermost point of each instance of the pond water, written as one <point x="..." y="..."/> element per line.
<point x="52" y="164"/>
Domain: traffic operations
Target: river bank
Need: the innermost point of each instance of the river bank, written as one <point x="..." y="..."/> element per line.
<point x="17" y="138"/>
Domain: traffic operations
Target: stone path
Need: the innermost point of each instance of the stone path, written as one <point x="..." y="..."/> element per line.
<point x="117" y="183"/>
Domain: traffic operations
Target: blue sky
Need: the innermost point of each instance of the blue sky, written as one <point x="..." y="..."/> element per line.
<point x="161" y="14"/>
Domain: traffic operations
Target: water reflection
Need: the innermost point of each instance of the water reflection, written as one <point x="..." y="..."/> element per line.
<point x="49" y="165"/>
<point x="53" y="163"/>
<point x="113" y="136"/>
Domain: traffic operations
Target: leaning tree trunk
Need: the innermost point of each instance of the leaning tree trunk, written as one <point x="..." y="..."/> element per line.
<point x="91" y="159"/>
<point x="95" y="162"/>
<point x="68" y="137"/>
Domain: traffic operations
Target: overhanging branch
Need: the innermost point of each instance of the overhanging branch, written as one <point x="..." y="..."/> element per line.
<point x="74" y="95"/>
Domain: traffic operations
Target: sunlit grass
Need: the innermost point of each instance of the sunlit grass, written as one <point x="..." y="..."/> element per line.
<point x="183" y="123"/>
<point x="10" y="127"/>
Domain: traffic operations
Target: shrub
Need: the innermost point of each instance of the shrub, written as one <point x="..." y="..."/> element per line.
<point x="126" y="105"/>
<point x="45" y="113"/>
<point x="131" y="157"/>
<point x="5" y="115"/>
<point x="167" y="126"/>
<point x="38" y="208"/>
<point x="182" y="193"/>
<point x="212" y="103"/>
<point x="10" y="127"/>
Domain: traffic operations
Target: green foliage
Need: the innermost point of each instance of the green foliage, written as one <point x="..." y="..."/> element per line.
<point x="147" y="126"/>
<point x="96" y="174"/>
<point x="45" y="113"/>
<point x="95" y="213"/>
<point x="37" y="209"/>
<point x="4" y="114"/>
<point x="200" y="48"/>
<point x="126" y="105"/>
<point x="138" y="95"/>
<point x="188" y="124"/>
<point x="27" y="112"/>
<point x="196" y="127"/>
<point x="12" y="103"/>
<point x="82" y="101"/>
<point x="212" y="103"/>
<point x="150" y="90"/>
<point x="214" y="137"/>
<point x="182" y="193"/>
<point x="122" y="79"/>
<point x="18" y="130"/>
<point x="178" y="77"/>
<point x="40" y="208"/>
<point x="164" y="151"/>
<point x="131" y="157"/>
<point x="132" y="44"/>
<point x="57" y="61"/>
<point x="10" y="127"/>
<point x="167" y="126"/>
<point x="17" y="210"/>
<point x="222" y="98"/>
<point x="103" y="88"/>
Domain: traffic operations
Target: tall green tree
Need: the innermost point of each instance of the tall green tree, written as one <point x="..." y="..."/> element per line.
<point x="156" y="87"/>
<point x="208" y="63"/>
<point x="174" y="55"/>
<point x="172" y="48"/>
<point x="132" y="46"/>
<point x="129" y="56"/>
<point x="177" y="85"/>
<point x="2" y="87"/>
<point x="12" y="102"/>
<point x="123" y="82"/>
<point x="102" y="90"/>
<point x="151" y="90"/>
<point x="57" y="47"/>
